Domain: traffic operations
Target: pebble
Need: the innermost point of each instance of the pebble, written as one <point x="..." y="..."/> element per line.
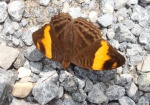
<point x="144" y="82"/>
<point x="144" y="38"/>
<point x="96" y="95"/>
<point x="88" y="86"/>
<point x="46" y="89"/>
<point x="8" y="28"/>
<point x="115" y="92"/>
<point x="16" y="9"/>
<point x="63" y="75"/>
<point x="106" y="19"/>
<point x="36" y="67"/>
<point x="126" y="101"/>
<point x="132" y="2"/>
<point x="107" y="6"/>
<point x="75" y="12"/>
<point x="93" y="16"/>
<point x="143" y="101"/>
<point x="131" y="92"/>
<point x="79" y="96"/>
<point x="145" y="1"/>
<point x="24" y="22"/>
<point x="65" y="7"/>
<point x="68" y="102"/>
<point x="80" y="82"/>
<point x="145" y="65"/>
<point x="120" y="3"/>
<point x="7" y="52"/>
<point x="16" y="101"/>
<point x="69" y="84"/>
<point x="22" y="89"/>
<point x="124" y="34"/>
<point x="3" y="11"/>
<point x="33" y="54"/>
<point x="23" y="72"/>
<point x="136" y="30"/>
<point x="44" y="2"/>
<point x="79" y="1"/>
<point x="15" y="25"/>
<point x="19" y="61"/>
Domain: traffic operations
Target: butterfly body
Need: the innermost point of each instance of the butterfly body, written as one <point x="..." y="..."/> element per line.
<point x="76" y="41"/>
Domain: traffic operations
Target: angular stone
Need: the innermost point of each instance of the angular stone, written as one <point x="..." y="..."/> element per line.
<point x="143" y="101"/>
<point x="106" y="19"/>
<point x="19" y="61"/>
<point x="79" y="96"/>
<point x="144" y="38"/>
<point x="44" y="2"/>
<point x="3" y="11"/>
<point x="65" y="7"/>
<point x="145" y="1"/>
<point x="88" y="86"/>
<point x="75" y="12"/>
<point x="131" y="92"/>
<point x="36" y="67"/>
<point x="33" y="54"/>
<point x="120" y="3"/>
<point x="79" y="1"/>
<point x="96" y="95"/>
<point x="115" y="92"/>
<point x="63" y="75"/>
<point x="144" y="82"/>
<point x="107" y="6"/>
<point x="44" y="91"/>
<point x="22" y="89"/>
<point x="145" y="66"/>
<point x="68" y="102"/>
<point x="7" y="56"/>
<point x="23" y="72"/>
<point x="16" y="9"/>
<point x="93" y="16"/>
<point x="126" y="101"/>
<point x="80" y="82"/>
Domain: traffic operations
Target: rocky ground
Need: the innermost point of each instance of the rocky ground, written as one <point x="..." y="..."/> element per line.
<point x="28" y="78"/>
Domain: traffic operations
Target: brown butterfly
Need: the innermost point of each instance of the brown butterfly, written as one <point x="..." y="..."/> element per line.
<point x="76" y="41"/>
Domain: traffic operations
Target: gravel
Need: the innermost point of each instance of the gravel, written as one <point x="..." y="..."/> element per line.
<point x="124" y="23"/>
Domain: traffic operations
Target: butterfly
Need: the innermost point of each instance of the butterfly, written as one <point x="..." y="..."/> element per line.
<point x="76" y="41"/>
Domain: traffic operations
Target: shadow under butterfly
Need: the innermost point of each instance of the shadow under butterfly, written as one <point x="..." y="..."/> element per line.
<point x="76" y="41"/>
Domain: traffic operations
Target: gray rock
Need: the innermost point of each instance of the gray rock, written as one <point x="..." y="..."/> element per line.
<point x="16" y="9"/>
<point x="106" y="19"/>
<point x="147" y="95"/>
<point x="61" y="92"/>
<point x="50" y="64"/>
<point x="136" y="30"/>
<point x="69" y="84"/>
<point x="120" y="3"/>
<point x="96" y="95"/>
<point x="21" y="102"/>
<point x="44" y="91"/>
<point x="81" y="72"/>
<point x="79" y="96"/>
<point x="19" y="61"/>
<point x="131" y="92"/>
<point x="63" y="74"/>
<point x="110" y="33"/>
<point x="147" y="47"/>
<point x="145" y="1"/>
<point x="36" y="67"/>
<point x="144" y="38"/>
<point x="141" y="15"/>
<point x="114" y="43"/>
<point x="143" y="101"/>
<point x="7" y="79"/>
<point x="3" y="11"/>
<point x="51" y="75"/>
<point x="93" y="16"/>
<point x="44" y="2"/>
<point x="88" y="86"/>
<point x="121" y="14"/>
<point x="145" y="66"/>
<point x="124" y="34"/>
<point x="126" y="101"/>
<point x="8" y="56"/>
<point x="68" y="102"/>
<point x="115" y="92"/>
<point x="79" y="1"/>
<point x="33" y="54"/>
<point x="15" y="25"/>
<point x="132" y="2"/>
<point x="56" y="102"/>
<point x="107" y="6"/>
<point x="15" y="41"/>
<point x="123" y="46"/>
<point x="75" y="12"/>
<point x="18" y="33"/>
<point x="24" y="22"/>
<point x="128" y="23"/>
<point x="80" y="82"/>
<point x="105" y="75"/>
<point x="144" y="82"/>
<point x="8" y="28"/>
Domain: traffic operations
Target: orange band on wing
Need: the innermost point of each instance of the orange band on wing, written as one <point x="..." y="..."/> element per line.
<point x="47" y="42"/>
<point x="101" y="56"/>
